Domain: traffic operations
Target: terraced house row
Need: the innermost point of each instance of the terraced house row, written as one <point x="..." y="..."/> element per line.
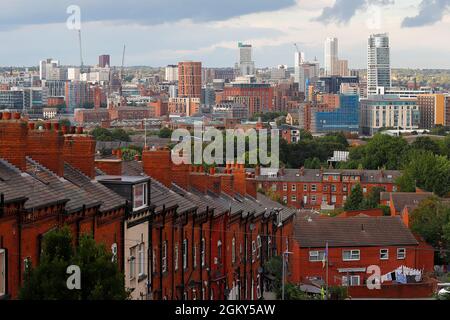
<point x="177" y="232"/>
<point x="321" y="188"/>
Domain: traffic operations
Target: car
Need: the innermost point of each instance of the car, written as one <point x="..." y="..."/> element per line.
<point x="444" y="293"/>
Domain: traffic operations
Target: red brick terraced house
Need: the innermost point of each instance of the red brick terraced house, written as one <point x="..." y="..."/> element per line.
<point x="46" y="181"/>
<point x="211" y="232"/>
<point x="354" y="244"/>
<point x="322" y="188"/>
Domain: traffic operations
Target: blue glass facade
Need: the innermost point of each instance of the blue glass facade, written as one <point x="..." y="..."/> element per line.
<point x="344" y="118"/>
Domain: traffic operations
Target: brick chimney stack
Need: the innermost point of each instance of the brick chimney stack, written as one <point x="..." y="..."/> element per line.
<point x="13" y="139"/>
<point x="79" y="151"/>
<point x="239" y="178"/>
<point x="46" y="147"/>
<point x="157" y="163"/>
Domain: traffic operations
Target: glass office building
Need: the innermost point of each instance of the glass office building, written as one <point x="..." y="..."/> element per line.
<point x="344" y="118"/>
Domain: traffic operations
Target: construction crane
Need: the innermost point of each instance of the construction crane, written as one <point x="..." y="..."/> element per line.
<point x="295" y="45"/>
<point x="123" y="62"/>
<point x="121" y="71"/>
<point x="81" y="51"/>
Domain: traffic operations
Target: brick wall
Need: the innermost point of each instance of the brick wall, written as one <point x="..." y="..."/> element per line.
<point x="79" y="151"/>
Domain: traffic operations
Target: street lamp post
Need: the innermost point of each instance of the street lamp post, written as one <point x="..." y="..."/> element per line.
<point x="283" y="276"/>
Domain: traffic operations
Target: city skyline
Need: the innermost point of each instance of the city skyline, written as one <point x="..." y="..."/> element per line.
<point x="209" y="32"/>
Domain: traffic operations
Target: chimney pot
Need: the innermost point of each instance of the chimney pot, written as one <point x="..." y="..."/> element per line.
<point x="65" y="129"/>
<point x="73" y="129"/>
<point x="212" y="171"/>
<point x="56" y="126"/>
<point x="6" y="115"/>
<point x="16" y="115"/>
<point x="48" y="126"/>
<point x="79" y="130"/>
<point x="31" y="125"/>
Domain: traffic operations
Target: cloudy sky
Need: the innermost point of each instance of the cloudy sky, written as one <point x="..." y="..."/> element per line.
<point x="161" y="32"/>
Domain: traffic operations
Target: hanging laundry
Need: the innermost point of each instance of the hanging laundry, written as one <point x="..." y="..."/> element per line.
<point x="401" y="278"/>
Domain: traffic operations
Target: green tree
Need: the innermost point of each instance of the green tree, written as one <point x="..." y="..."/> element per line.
<point x="373" y="198"/>
<point x="100" y="276"/>
<point x="65" y="122"/>
<point x="382" y="151"/>
<point x="427" y="171"/>
<point x="165" y="133"/>
<point x="426" y="144"/>
<point x="355" y="200"/>
<point x="120" y="134"/>
<point x="48" y="280"/>
<point x="445" y="146"/>
<point x="313" y="163"/>
<point x="431" y="220"/>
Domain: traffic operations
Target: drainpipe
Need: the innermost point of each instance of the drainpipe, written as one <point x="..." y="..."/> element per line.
<point x="2" y="204"/>
<point x="173" y="262"/>
<point x="150" y="254"/>
<point x="210" y="255"/>
<point x="122" y="238"/>
<point x="182" y="262"/>
<point x="201" y="248"/>
<point x="193" y="243"/>
<point x="246" y="257"/>
<point x="19" y="244"/>
<point x="160" y="249"/>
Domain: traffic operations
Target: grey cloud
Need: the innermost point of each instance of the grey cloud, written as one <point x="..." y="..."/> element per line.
<point x="150" y="12"/>
<point x="430" y="12"/>
<point x="343" y="10"/>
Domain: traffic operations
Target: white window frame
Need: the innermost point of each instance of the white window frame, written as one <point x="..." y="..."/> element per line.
<point x="294" y="187"/>
<point x="175" y="256"/>
<point x="219" y="251"/>
<point x="285" y="187"/>
<point x="141" y="259"/>
<point x="164" y="257"/>
<point x="3" y="272"/>
<point x="253" y="250"/>
<point x="203" y="249"/>
<point x="384" y="254"/>
<point x="233" y="250"/>
<point x="185" y="254"/>
<point x="293" y="198"/>
<point x="316" y="255"/>
<point x="305" y="187"/>
<point x="154" y="260"/>
<point x="352" y="278"/>
<point x="313" y="188"/>
<point x="144" y="196"/>
<point x="132" y="262"/>
<point x="353" y="253"/>
<point x="258" y="246"/>
<point x="258" y="287"/>
<point x="195" y="256"/>
<point x="399" y="255"/>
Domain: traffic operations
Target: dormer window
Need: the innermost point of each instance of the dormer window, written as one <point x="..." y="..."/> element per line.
<point x="140" y="196"/>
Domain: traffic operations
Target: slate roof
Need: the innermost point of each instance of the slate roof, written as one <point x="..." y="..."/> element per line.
<point x="132" y="168"/>
<point x="16" y="185"/>
<point x="286" y="212"/>
<point x="109" y="199"/>
<point x="314" y="175"/>
<point x="62" y="187"/>
<point x="160" y="195"/>
<point x="402" y="199"/>
<point x="359" y="231"/>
